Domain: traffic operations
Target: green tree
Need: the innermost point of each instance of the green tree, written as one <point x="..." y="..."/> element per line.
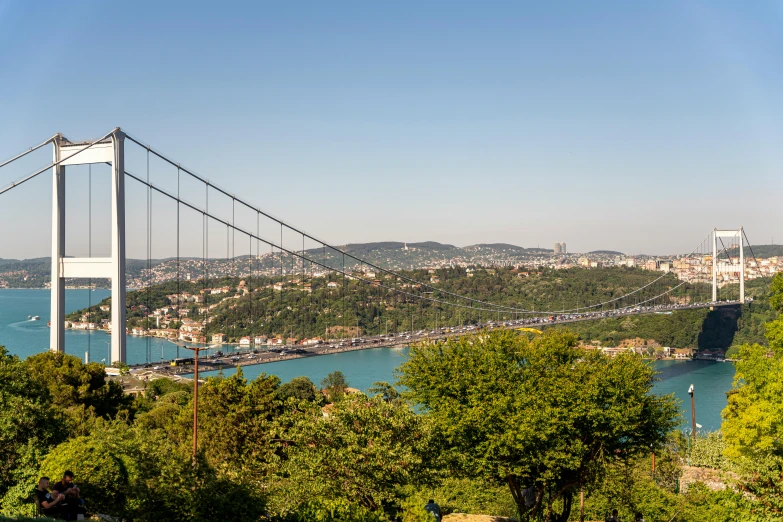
<point x="776" y="291"/>
<point x="132" y="473"/>
<point x="385" y="390"/>
<point x="300" y="388"/>
<point x="323" y="510"/>
<point x="100" y="464"/>
<point x="235" y="425"/>
<point x="24" y="478"/>
<point x="363" y="450"/>
<point x="77" y="389"/>
<point x="753" y="419"/>
<point x="540" y="413"/>
<point x="27" y="416"/>
<point x="335" y="385"/>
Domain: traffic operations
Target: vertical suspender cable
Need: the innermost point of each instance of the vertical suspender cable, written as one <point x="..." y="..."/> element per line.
<point x="282" y="277"/>
<point x="304" y="291"/>
<point x="179" y="289"/>
<point x="233" y="260"/>
<point x="228" y="242"/>
<point x="258" y="255"/>
<point x="250" y="293"/>
<point x="89" y="254"/>
<point x="204" y="221"/>
<point x="148" y="354"/>
<point x="206" y="256"/>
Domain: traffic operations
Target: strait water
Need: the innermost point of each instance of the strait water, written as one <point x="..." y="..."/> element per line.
<point x="24" y="337"/>
<point x="711" y="380"/>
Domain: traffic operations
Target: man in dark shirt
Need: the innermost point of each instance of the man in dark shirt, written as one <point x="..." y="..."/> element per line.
<point x="72" y="505"/>
<point x="66" y="486"/>
<point x="47" y="503"/>
<point x="433" y="509"/>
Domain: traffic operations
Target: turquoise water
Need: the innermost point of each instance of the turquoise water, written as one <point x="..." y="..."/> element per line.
<point x="361" y="368"/>
<point x="711" y="379"/>
<point x="24" y="337"/>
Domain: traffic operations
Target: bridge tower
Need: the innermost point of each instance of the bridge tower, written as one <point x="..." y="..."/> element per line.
<point x="727" y="268"/>
<point x="112" y="151"/>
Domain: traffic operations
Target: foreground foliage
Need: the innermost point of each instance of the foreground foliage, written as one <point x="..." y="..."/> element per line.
<point x="753" y="418"/>
<point x="540" y="414"/>
<point x="482" y="418"/>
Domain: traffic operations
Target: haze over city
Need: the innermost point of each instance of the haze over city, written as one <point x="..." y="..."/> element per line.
<point x="625" y="127"/>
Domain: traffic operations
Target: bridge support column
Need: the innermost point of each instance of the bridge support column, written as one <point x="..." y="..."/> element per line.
<point x="742" y="266"/>
<point x="57" y="331"/>
<point x="729" y="267"/>
<point x="107" y="151"/>
<point x="714" y="264"/>
<point x="118" y="338"/>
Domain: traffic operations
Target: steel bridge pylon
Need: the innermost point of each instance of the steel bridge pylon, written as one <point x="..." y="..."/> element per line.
<point x="728" y="268"/>
<point x="111" y="150"/>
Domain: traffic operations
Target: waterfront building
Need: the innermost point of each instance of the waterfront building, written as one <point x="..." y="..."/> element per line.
<point x="683" y="353"/>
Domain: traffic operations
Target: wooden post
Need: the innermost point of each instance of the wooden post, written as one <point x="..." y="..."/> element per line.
<point x="582" y="504"/>
<point x="196" y="350"/>
<point x="653" y="466"/>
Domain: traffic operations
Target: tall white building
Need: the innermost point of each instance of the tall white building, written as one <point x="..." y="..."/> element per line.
<point x="560" y="248"/>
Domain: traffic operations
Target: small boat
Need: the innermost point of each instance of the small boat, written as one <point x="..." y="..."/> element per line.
<point x="35" y="318"/>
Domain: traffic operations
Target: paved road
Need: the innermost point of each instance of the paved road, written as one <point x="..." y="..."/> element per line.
<point x="274" y="354"/>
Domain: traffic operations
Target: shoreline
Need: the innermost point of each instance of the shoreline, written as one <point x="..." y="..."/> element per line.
<point x="252" y="359"/>
<point x="265" y="357"/>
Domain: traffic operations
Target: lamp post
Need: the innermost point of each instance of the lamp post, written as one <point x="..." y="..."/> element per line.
<point x="693" y="410"/>
<point x="196" y="350"/>
<point x="653" y="464"/>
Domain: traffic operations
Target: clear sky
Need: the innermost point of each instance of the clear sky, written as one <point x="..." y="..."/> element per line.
<point x="632" y="126"/>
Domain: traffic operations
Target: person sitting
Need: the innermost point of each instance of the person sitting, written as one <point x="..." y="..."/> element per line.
<point x="613" y="517"/>
<point x="73" y="505"/>
<point x="48" y="504"/>
<point x="433" y="509"/>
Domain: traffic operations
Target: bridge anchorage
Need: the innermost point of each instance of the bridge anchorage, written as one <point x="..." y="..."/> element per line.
<point x="720" y="257"/>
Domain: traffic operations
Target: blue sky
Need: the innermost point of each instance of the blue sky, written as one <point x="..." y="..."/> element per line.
<point x="630" y="126"/>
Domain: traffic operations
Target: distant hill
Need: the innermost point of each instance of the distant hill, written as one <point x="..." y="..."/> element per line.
<point x="606" y="252"/>
<point x="498" y="246"/>
<point x="34" y="260"/>
<point x="359" y="249"/>
<point x="766" y="250"/>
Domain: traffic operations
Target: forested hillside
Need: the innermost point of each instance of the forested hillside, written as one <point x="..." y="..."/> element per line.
<point x="703" y="329"/>
<point x="301" y="306"/>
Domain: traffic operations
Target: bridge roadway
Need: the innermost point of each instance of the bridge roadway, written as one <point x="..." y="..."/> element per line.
<point x="275" y="354"/>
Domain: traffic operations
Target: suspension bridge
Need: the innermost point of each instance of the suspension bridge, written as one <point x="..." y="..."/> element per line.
<point x="269" y="252"/>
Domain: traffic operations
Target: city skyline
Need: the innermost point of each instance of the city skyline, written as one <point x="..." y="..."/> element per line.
<point x="635" y="129"/>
